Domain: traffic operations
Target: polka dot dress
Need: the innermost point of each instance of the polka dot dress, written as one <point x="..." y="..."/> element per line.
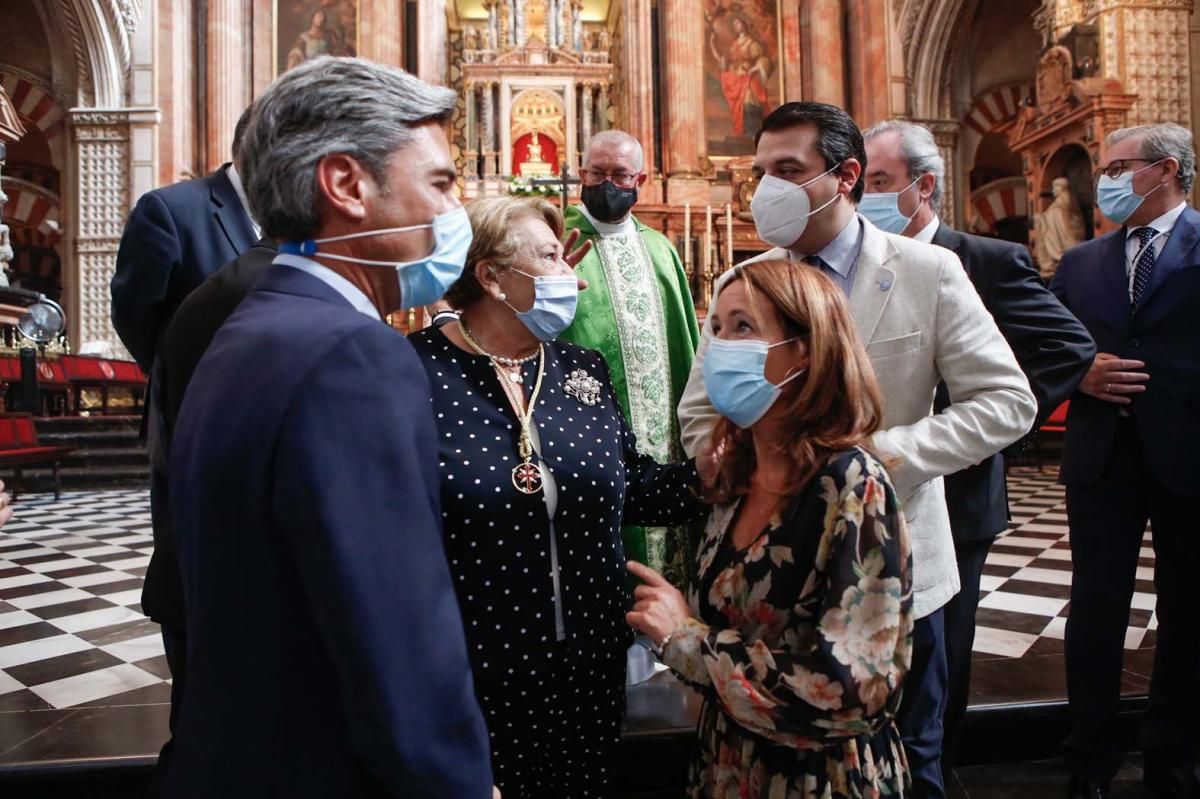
<point x="553" y="707"/>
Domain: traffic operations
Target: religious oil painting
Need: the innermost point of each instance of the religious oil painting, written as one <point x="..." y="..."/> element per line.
<point x="742" y="73"/>
<point x="307" y="29"/>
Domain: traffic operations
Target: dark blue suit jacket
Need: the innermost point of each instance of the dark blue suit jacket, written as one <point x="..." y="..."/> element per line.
<point x="175" y="238"/>
<point x="1164" y="333"/>
<point x="1052" y="347"/>
<point x="326" y="654"/>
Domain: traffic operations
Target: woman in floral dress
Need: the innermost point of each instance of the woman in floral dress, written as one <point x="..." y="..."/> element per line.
<point x="798" y="632"/>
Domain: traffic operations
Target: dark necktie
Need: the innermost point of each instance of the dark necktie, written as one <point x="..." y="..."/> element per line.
<point x="1143" y="268"/>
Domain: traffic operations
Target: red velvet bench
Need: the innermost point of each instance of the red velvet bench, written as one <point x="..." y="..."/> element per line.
<point x="19" y="447"/>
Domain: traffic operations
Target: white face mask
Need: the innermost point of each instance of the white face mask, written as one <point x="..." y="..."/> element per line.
<point x="782" y="209"/>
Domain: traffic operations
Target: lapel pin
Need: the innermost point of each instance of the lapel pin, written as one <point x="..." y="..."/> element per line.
<point x="884" y="285"/>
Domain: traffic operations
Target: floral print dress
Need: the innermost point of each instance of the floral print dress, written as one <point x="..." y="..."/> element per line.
<point x="800" y="643"/>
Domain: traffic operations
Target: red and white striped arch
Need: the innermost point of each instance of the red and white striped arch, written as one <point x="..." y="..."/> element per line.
<point x="995" y="107"/>
<point x="34" y="105"/>
<point x="998" y="200"/>
<point x="32" y="207"/>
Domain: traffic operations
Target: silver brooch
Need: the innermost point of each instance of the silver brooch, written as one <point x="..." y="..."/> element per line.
<point x="583" y="387"/>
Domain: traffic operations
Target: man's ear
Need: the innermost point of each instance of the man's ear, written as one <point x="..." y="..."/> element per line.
<point x="848" y="173"/>
<point x="926" y="185"/>
<point x="344" y="186"/>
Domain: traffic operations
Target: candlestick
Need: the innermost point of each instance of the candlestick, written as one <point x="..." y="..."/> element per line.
<point x="687" y="238"/>
<point x="708" y="242"/>
<point x="728" y="236"/>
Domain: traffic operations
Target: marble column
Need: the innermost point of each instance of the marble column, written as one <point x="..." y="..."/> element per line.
<point x="493" y="29"/>
<point x="602" y="107"/>
<point x="577" y="25"/>
<point x="638" y="91"/>
<point x="519" y="23"/>
<point x="821" y="25"/>
<point x="489" y="130"/>
<point x="554" y="23"/>
<point x="471" y="134"/>
<point x="228" y="71"/>
<point x="685" y="144"/>
<point x="869" y="79"/>
<point x="381" y="31"/>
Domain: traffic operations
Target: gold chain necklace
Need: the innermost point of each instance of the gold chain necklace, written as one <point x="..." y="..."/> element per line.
<point x="527" y="475"/>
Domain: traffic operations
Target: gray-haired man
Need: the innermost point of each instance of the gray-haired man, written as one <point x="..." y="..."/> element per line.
<point x="326" y="649"/>
<point x="903" y="195"/>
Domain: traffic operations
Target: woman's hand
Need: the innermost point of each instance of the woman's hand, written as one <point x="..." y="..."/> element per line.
<point x="708" y="464"/>
<point x="658" y="606"/>
<point x="572" y="254"/>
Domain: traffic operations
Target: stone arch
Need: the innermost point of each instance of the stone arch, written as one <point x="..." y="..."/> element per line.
<point x="38" y="107"/>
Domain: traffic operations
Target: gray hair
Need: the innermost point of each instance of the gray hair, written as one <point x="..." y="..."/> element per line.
<point x="325" y="106"/>
<point x="1164" y="140"/>
<point x="920" y="152"/>
<point x="616" y="138"/>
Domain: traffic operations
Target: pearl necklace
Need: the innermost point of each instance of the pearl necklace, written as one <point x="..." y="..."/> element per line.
<point x="500" y="359"/>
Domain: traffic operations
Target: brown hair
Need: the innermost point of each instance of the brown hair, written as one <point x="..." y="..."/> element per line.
<point x="833" y="407"/>
<point x="492" y="219"/>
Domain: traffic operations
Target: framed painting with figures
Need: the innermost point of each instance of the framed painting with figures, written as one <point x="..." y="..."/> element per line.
<point x="306" y="29"/>
<point x="743" y="76"/>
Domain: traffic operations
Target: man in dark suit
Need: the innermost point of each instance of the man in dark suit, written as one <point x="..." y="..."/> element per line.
<point x="326" y="650"/>
<point x="903" y="193"/>
<point x="1133" y="434"/>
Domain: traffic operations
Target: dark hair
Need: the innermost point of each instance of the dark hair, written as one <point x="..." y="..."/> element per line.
<point x="838" y="138"/>
<point x="239" y="133"/>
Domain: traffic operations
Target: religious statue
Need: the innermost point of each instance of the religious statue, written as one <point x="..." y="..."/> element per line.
<point x="745" y="70"/>
<point x="471" y="39"/>
<point x="1058" y="228"/>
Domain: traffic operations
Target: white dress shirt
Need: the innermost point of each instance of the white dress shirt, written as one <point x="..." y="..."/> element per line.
<point x="839" y="258"/>
<point x="240" y="190"/>
<point x="341" y="285"/>
<point x="1133" y="244"/>
<point x="927" y="233"/>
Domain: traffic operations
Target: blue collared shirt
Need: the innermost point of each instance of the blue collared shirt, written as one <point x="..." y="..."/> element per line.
<point x="839" y="258"/>
<point x="341" y="285"/>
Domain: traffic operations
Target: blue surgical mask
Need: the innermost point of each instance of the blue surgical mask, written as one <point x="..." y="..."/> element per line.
<point x="883" y="210"/>
<point x="1116" y="197"/>
<point x="554" y="301"/>
<point x="423" y="281"/>
<point x="735" y="380"/>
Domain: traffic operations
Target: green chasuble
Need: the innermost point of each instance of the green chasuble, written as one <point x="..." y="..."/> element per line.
<point x="638" y="313"/>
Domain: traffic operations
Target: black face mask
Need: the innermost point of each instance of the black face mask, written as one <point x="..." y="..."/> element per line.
<point x="608" y="202"/>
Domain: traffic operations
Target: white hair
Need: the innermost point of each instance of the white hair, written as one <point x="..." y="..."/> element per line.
<point x="616" y="138"/>
<point x="920" y="152"/>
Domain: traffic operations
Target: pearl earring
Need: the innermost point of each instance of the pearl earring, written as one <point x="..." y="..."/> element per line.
<point x="502" y="297"/>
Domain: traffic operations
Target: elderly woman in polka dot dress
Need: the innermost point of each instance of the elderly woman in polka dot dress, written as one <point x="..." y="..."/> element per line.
<point x="539" y="471"/>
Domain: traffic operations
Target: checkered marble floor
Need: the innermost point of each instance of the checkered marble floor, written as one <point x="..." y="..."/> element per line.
<point x="1026" y="586"/>
<point x="71" y="627"/>
<point x="72" y="632"/>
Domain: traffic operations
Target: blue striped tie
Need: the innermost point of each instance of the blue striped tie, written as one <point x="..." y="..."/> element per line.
<point x="1144" y="268"/>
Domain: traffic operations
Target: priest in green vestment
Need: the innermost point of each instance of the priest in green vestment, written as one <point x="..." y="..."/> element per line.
<point x="638" y="312"/>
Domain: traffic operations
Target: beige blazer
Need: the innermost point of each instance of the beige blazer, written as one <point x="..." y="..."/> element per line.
<point x="922" y="322"/>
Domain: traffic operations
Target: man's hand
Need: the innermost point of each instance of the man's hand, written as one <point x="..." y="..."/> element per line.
<point x="495" y="792"/>
<point x="659" y="607"/>
<point x="572" y="254"/>
<point x="1113" y="379"/>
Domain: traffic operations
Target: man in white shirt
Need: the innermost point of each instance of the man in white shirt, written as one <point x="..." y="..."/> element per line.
<point x="922" y="323"/>
<point x="1133" y="433"/>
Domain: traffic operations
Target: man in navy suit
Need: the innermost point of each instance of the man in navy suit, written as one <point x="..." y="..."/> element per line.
<point x="905" y="174"/>
<point x="1133" y="437"/>
<point x="326" y="653"/>
<point x="174" y="239"/>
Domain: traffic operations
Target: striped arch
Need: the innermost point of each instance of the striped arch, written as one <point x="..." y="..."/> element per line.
<point x="34" y="208"/>
<point x="34" y="105"/>
<point x="998" y="200"/>
<point x="996" y="107"/>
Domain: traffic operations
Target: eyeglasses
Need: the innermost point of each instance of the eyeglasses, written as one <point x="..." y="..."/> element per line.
<point x="594" y="177"/>
<point x="1119" y="167"/>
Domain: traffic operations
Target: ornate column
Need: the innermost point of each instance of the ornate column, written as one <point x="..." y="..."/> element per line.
<point x="824" y="79"/>
<point x="493" y="25"/>
<point x="472" y="136"/>
<point x="100" y="140"/>
<point x="685" y="144"/>
<point x="586" y="114"/>
<point x="577" y="25"/>
<point x="519" y="23"/>
<point x="945" y="133"/>
<point x="602" y="107"/>
<point x="554" y="23"/>
<point x="228" y="71"/>
<point x="488" y="142"/>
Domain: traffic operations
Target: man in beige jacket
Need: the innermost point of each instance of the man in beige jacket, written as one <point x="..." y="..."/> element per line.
<point x="922" y="323"/>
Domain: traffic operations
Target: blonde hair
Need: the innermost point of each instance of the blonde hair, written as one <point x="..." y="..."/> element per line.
<point x="835" y="406"/>
<point x="492" y="221"/>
